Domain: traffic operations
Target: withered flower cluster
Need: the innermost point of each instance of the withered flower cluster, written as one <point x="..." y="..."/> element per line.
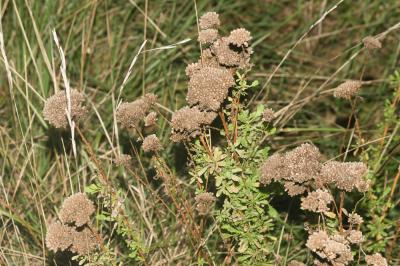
<point x="129" y="114"/>
<point x="55" y="108"/>
<point x="151" y="143"/>
<point x="204" y="202"/>
<point x="73" y="232"/>
<point x="347" y="89"/>
<point x="302" y="169"/>
<point x="211" y="77"/>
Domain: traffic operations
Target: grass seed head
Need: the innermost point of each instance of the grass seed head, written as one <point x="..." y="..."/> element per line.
<point x="55" y="108"/>
<point x="151" y="144"/>
<point x="372" y="43"/>
<point x="59" y="237"/>
<point x="209" y="20"/>
<point x="77" y="209"/>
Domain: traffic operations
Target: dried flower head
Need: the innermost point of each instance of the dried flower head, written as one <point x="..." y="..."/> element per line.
<point x="355" y="236"/>
<point x="229" y="55"/>
<point x="296" y="263"/>
<point x="123" y="160"/>
<point x="207" y="60"/>
<point x="151" y="143"/>
<point x="347" y="89"/>
<point x="302" y="163"/>
<point x="129" y="114"/>
<point x="268" y="115"/>
<point x="272" y="169"/>
<point x="337" y="253"/>
<point x="77" y="209"/>
<point x="317" y="201"/>
<point x="209" y="20"/>
<point x="55" y="108"/>
<point x="240" y="37"/>
<point x="84" y="241"/>
<point x="354" y="218"/>
<point x="204" y="202"/>
<point x="372" y="43"/>
<point x="345" y="175"/>
<point x="294" y="189"/>
<point x="186" y="122"/>
<point x="208" y="87"/>
<point x="207" y="36"/>
<point x="317" y="240"/>
<point x="59" y="237"/>
<point x="376" y="260"/>
<point x="150" y="119"/>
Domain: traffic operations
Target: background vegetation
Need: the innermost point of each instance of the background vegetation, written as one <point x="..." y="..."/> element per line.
<point x="100" y="39"/>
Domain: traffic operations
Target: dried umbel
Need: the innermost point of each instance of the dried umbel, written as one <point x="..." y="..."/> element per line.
<point x="345" y="175"/>
<point x="372" y="43"/>
<point x="207" y="36"/>
<point x="187" y="122"/>
<point x="150" y="119"/>
<point x="355" y="236"/>
<point x="302" y="163"/>
<point x="355" y="219"/>
<point x="151" y="143"/>
<point x="204" y="202"/>
<point x="84" y="241"/>
<point x="59" y="237"/>
<point x="347" y="89"/>
<point x="129" y="114"/>
<point x="240" y="37"/>
<point x="294" y="189"/>
<point x="207" y="60"/>
<point x="76" y="209"/>
<point x="268" y="115"/>
<point x="209" y="20"/>
<point x="376" y="260"/>
<point x="317" y="201"/>
<point x="296" y="263"/>
<point x="334" y="249"/>
<point x="209" y="87"/>
<point x="123" y="160"/>
<point x="55" y="108"/>
<point x="272" y="169"/>
<point x="229" y="55"/>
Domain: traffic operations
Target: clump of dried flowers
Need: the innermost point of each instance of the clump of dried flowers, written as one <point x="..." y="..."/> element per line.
<point x="73" y="232"/>
<point x="347" y="89"/>
<point x="204" y="202"/>
<point x="151" y="143"/>
<point x="56" y="106"/>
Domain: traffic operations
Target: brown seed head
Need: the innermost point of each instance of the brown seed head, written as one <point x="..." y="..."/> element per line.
<point x="302" y="163"/>
<point x="240" y="37"/>
<point x="347" y="89"/>
<point x="345" y="175"/>
<point x="55" y="108"/>
<point x="225" y="54"/>
<point x="59" y="237"/>
<point x="207" y="36"/>
<point x="77" y="209"/>
<point x="187" y="121"/>
<point x="354" y="218"/>
<point x="355" y="236"/>
<point x="317" y="240"/>
<point x="268" y="115"/>
<point x="208" y="87"/>
<point x="204" y="202"/>
<point x="209" y="20"/>
<point x="376" y="260"/>
<point x="84" y="241"/>
<point x="372" y="43"/>
<point x="151" y="143"/>
<point x="317" y="201"/>
<point x="294" y="189"/>
<point x="272" y="169"/>
<point x="123" y="160"/>
<point x="130" y="113"/>
<point x="150" y="119"/>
